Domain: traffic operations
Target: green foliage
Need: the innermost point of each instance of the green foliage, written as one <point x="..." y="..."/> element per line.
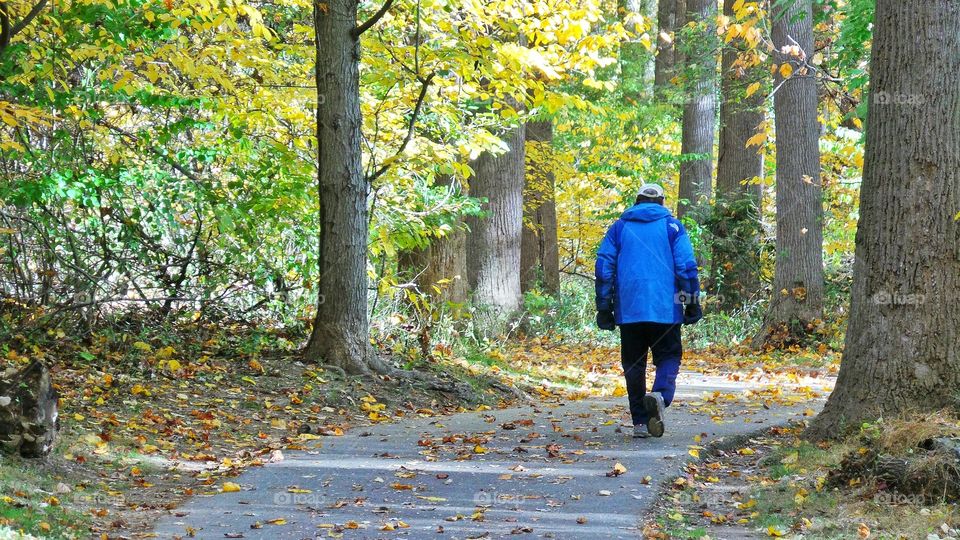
<point x="566" y="317"/>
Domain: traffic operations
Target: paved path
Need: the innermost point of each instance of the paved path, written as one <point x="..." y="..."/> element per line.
<point x="363" y="483"/>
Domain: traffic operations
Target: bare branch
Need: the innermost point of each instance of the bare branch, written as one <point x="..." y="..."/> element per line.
<point x="356" y="32"/>
<point x="410" y="128"/>
<point x="17" y="28"/>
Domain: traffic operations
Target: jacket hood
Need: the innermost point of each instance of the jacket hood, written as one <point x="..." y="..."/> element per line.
<point x="646" y="212"/>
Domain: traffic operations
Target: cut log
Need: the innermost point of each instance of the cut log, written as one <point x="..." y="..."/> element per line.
<point x="28" y="411"/>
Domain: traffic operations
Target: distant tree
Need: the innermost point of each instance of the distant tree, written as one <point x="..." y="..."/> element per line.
<point x="493" y="245"/>
<point x="700" y="105"/>
<point x="902" y="342"/>
<point x="666" y="58"/>
<point x="636" y="62"/>
<point x="736" y="213"/>
<point x="797" y="298"/>
<point x="440" y="268"/>
<point x="539" y="251"/>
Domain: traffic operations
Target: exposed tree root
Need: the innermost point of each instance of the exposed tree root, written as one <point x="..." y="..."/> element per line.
<point x="383" y="366"/>
<point x="930" y="471"/>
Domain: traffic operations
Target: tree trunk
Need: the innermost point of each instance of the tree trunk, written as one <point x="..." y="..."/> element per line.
<point x="902" y="349"/>
<point x="635" y="73"/>
<point x="444" y="259"/>
<point x="340" y="330"/>
<point x="539" y="252"/>
<point x="699" y="110"/>
<point x="493" y="246"/>
<point x="797" y="298"/>
<point x="665" y="61"/>
<point x="736" y="219"/>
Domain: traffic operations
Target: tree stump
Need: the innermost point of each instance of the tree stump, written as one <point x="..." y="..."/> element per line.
<point x="28" y="411"/>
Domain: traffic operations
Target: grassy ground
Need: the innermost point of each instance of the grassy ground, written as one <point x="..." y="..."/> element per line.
<point x="777" y="484"/>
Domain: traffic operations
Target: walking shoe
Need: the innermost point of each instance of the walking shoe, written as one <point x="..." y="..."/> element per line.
<point x="653" y="403"/>
<point x="640" y="431"/>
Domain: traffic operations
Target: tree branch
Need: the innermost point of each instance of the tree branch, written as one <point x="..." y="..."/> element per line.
<point x="17" y="28"/>
<point x="356" y="32"/>
<point x="410" y="128"/>
<point x="4" y="26"/>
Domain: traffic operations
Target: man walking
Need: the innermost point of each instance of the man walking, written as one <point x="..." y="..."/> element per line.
<point x="647" y="284"/>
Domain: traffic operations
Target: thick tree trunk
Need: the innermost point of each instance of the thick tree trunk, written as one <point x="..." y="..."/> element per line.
<point x="340" y="330"/>
<point x="539" y="252"/>
<point x="444" y="259"/>
<point x="665" y="62"/>
<point x="902" y="349"/>
<point x="699" y="110"/>
<point x="493" y="246"/>
<point x="736" y="219"/>
<point x="797" y="297"/>
<point x="636" y="76"/>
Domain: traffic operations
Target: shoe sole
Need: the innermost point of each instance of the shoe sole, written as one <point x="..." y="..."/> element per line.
<point x="654" y="408"/>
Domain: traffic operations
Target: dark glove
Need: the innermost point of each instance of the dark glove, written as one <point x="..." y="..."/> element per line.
<point x="692" y="313"/>
<point x="605" y="320"/>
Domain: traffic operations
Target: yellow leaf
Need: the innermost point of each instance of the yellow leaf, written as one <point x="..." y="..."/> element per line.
<point x="277" y="521"/>
<point x="694" y="452"/>
<point x="757" y="140"/>
<point x="786" y="70"/>
<point x="752" y="89"/>
<point x="230" y="487"/>
<point x="173" y="365"/>
<point x="775" y="531"/>
<point x="619" y="391"/>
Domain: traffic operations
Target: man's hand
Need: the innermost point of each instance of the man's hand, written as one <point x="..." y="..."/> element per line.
<point x="692" y="313"/>
<point x="605" y="320"/>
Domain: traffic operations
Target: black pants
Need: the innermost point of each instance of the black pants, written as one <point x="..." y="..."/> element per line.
<point x="635" y="340"/>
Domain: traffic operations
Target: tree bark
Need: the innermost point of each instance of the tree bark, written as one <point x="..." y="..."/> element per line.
<point x="699" y="110"/>
<point x="493" y="246"/>
<point x="444" y="259"/>
<point x="340" y="329"/>
<point x="736" y="219"/>
<point x="665" y="61"/>
<point x="539" y="252"/>
<point x="902" y="349"/>
<point x="28" y="411"/>
<point x="797" y="298"/>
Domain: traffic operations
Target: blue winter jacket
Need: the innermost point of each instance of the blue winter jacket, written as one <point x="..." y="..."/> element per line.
<point x="645" y="260"/>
